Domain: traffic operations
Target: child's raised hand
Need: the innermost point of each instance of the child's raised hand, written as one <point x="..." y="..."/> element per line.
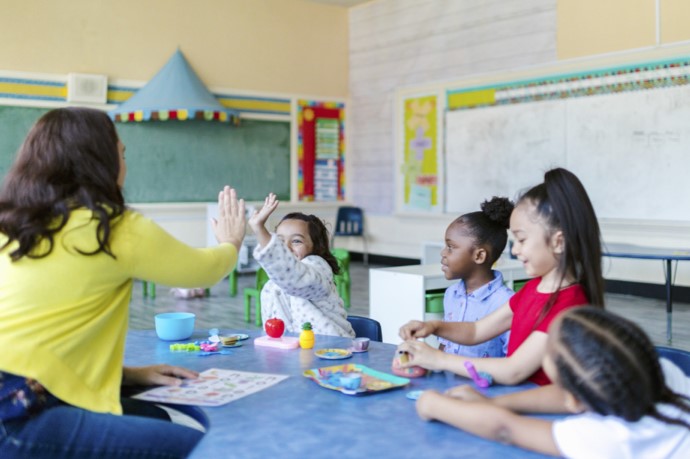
<point x="231" y="223"/>
<point x="415" y="329"/>
<point x="258" y="220"/>
<point x="467" y="393"/>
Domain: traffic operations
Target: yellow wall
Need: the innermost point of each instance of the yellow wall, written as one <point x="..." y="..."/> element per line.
<point x="675" y="15"/>
<point x="588" y="27"/>
<point x="284" y="46"/>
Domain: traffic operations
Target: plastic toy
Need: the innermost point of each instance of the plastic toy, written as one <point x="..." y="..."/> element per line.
<point x="274" y="327"/>
<point x="306" y="336"/>
<point x="411" y="372"/>
<point x="209" y="347"/>
<point x="184" y="347"/>
<point x="481" y="379"/>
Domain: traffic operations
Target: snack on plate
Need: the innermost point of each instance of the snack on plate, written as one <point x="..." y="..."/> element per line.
<point x="229" y="340"/>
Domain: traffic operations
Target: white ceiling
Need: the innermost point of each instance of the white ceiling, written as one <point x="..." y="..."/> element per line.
<point x="344" y="3"/>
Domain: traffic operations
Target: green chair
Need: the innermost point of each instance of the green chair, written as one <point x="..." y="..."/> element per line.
<point x="232" y="282"/>
<point x="152" y="291"/>
<point x="255" y="292"/>
<point x="517" y="285"/>
<point x="434" y="303"/>
<point x="342" y="279"/>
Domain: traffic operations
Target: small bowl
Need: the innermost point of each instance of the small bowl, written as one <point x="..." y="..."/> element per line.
<point x="360" y="344"/>
<point x="173" y="326"/>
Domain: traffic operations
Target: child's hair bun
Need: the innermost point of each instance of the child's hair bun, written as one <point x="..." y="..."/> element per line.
<point x="498" y="209"/>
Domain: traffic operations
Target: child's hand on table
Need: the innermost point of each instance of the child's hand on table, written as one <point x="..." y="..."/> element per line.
<point x="467" y="393"/>
<point x="156" y="375"/>
<point x="425" y="404"/>
<point x="416" y="329"/>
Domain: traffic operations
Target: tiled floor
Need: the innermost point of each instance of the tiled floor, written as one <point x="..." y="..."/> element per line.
<point x="222" y="311"/>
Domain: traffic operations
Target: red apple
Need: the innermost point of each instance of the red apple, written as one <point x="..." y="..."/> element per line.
<point x="274" y="327"/>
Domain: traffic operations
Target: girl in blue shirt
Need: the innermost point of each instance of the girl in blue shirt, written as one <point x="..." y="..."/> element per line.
<point x="474" y="241"/>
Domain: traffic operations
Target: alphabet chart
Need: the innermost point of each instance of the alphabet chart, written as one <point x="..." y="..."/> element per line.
<point x="213" y="387"/>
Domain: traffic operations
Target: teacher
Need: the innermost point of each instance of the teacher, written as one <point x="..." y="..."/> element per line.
<point x="69" y="251"/>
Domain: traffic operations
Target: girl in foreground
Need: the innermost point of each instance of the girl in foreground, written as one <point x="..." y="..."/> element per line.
<point x="629" y="404"/>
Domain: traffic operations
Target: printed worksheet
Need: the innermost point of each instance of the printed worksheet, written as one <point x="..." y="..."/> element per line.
<point x="213" y="387"/>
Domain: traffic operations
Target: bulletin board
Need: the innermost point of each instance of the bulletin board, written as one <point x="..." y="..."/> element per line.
<point x="320" y="151"/>
<point x="420" y="169"/>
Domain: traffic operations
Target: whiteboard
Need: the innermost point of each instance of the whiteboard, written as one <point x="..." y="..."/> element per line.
<point x="630" y="150"/>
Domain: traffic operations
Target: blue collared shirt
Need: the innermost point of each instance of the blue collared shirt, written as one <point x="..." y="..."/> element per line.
<point x="458" y="306"/>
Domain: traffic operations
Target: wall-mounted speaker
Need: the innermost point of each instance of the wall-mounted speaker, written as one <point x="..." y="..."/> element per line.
<point x="91" y="89"/>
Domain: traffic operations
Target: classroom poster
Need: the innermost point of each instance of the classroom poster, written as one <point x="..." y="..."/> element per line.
<point x="420" y="162"/>
<point x="320" y="151"/>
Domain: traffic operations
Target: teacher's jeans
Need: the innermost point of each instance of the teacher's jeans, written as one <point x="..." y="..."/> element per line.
<point x="65" y="432"/>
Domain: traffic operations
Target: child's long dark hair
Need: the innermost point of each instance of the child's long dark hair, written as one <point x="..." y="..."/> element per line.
<point x="489" y="227"/>
<point x="319" y="237"/>
<point x="562" y="203"/>
<point x="609" y="364"/>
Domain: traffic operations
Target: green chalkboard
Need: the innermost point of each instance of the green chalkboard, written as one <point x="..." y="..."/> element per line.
<point x="186" y="161"/>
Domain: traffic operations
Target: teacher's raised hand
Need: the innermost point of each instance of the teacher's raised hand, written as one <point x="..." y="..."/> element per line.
<point x="230" y="226"/>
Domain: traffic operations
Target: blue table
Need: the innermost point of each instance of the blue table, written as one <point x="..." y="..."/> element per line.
<point x="668" y="256"/>
<point x="299" y="419"/>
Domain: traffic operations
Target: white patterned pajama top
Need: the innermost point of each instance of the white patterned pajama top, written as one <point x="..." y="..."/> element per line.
<point x="300" y="291"/>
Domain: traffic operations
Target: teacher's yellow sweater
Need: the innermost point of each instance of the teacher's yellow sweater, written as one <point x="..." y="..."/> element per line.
<point x="63" y="318"/>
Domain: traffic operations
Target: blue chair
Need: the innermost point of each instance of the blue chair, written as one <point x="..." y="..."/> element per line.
<point x="366" y="328"/>
<point x="678" y="356"/>
<point x="350" y="222"/>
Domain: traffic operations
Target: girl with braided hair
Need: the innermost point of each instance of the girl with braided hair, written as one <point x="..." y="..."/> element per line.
<point x="628" y="402"/>
<point x="556" y="237"/>
<point x="300" y="267"/>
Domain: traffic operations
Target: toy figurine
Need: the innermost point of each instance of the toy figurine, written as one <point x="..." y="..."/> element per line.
<point x="411" y="372"/>
<point x="306" y="336"/>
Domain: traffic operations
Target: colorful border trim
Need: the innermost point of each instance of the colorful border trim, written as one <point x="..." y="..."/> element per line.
<point x="659" y="74"/>
<point x="34" y="89"/>
<point x="302" y="105"/>
<point x="251" y="104"/>
<point x="181" y="114"/>
<point x="19" y="88"/>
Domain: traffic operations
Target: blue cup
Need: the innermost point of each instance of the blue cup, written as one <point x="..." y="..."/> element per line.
<point x="174" y="326"/>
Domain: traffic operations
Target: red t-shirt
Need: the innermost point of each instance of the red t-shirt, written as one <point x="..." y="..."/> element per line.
<point x="527" y="305"/>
